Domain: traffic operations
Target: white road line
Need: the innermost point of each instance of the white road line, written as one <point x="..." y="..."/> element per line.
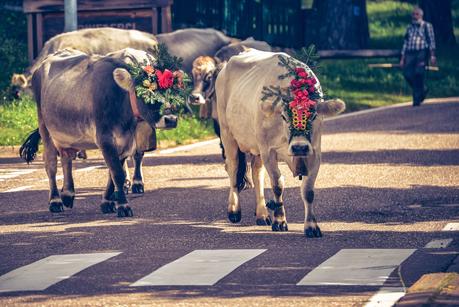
<point x="386" y="297"/>
<point x="18" y="189"/>
<point x="48" y="271"/>
<point x="12" y="173"/>
<point x="85" y="169"/>
<point x="451" y="227"/>
<point x="199" y="268"/>
<point x="439" y="243"/>
<point x="369" y="267"/>
<point x="182" y="148"/>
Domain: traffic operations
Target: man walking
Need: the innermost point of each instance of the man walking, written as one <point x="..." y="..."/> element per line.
<point x="418" y="47"/>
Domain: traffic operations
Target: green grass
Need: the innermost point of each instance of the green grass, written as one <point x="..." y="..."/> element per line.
<point x="17" y="119"/>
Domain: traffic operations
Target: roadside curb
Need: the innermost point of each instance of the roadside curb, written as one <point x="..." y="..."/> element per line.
<point x="432" y="290"/>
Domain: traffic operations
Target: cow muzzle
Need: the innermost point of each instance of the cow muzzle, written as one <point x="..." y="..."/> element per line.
<point x="300" y="148"/>
<point x="197" y="99"/>
<point x="167" y="122"/>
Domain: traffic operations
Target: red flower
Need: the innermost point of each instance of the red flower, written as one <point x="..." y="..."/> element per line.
<point x="165" y="79"/>
<point x="303" y="74"/>
<point x="149" y="69"/>
<point x="295" y="83"/>
<point x="299" y="70"/>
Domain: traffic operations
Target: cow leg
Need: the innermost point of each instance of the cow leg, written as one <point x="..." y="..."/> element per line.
<point x="118" y="175"/>
<point x="258" y="177"/>
<point x="68" y="189"/>
<point x="137" y="180"/>
<point x="277" y="183"/>
<point x="127" y="182"/>
<point x="108" y="203"/>
<point x="311" y="229"/>
<point x="50" y="158"/>
<point x="231" y="165"/>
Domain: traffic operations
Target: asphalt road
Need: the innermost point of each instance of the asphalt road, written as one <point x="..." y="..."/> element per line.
<point x="388" y="185"/>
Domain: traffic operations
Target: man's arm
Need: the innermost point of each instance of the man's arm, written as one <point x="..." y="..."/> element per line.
<point x="405" y="42"/>
<point x="431" y="40"/>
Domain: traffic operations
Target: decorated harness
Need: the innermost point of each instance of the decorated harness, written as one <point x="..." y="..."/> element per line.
<point x="299" y="99"/>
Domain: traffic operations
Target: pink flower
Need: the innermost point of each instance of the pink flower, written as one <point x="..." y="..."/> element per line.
<point x="165" y="79"/>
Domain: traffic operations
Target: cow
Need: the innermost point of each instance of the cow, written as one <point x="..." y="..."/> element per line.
<point x="90" y="41"/>
<point x="190" y="43"/>
<point x="205" y="70"/>
<point x="187" y="44"/>
<point x="259" y="124"/>
<point x="89" y="101"/>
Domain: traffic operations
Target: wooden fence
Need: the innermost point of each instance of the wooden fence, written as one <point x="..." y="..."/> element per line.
<point x="278" y="22"/>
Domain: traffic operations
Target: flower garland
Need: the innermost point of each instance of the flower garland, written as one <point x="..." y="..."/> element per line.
<point x="299" y="99"/>
<point x="163" y="85"/>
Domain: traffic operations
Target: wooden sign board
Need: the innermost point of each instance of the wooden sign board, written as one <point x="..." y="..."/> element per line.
<point x="45" y="18"/>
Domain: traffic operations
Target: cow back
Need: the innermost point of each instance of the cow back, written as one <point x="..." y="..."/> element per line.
<point x="192" y="43"/>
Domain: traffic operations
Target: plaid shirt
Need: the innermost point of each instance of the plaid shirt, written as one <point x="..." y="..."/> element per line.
<point x="415" y="37"/>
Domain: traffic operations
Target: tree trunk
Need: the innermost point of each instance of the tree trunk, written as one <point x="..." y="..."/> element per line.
<point x="340" y="24"/>
<point x="438" y="12"/>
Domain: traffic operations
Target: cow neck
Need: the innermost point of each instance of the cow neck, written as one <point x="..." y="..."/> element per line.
<point x="134" y="106"/>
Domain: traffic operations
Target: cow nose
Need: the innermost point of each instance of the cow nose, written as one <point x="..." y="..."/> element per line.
<point x="300" y="150"/>
<point x="170" y="121"/>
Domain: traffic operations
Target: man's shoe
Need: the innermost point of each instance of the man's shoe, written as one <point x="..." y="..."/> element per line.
<point x="424" y="95"/>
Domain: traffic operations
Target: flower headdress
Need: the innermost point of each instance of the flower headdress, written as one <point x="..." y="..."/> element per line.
<point x="299" y="99"/>
<point x="159" y="81"/>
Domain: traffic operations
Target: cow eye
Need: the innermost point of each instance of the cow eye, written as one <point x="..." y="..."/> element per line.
<point x="208" y="78"/>
<point x="284" y="118"/>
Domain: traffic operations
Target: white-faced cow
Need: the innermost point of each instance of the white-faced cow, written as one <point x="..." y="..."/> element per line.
<point x="262" y="125"/>
<point x="86" y="102"/>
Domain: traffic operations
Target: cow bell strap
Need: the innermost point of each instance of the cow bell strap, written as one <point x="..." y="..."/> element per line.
<point x="273" y="205"/>
<point x="134" y="106"/>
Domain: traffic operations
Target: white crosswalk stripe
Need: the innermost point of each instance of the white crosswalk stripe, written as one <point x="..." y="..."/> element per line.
<point x="12" y="173"/>
<point x="370" y="267"/>
<point x="50" y="270"/>
<point x="207" y="267"/>
<point x="199" y="268"/>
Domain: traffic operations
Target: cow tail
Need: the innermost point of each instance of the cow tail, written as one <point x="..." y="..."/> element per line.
<point x="28" y="150"/>
<point x="241" y="177"/>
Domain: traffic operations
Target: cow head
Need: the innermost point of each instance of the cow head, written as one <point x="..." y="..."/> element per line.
<point x="20" y="84"/>
<point x="204" y="72"/>
<point x="302" y="144"/>
<point x="156" y="116"/>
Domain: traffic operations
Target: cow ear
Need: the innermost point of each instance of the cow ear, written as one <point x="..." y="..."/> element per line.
<point x="19" y="80"/>
<point x="331" y="107"/>
<point x="123" y="78"/>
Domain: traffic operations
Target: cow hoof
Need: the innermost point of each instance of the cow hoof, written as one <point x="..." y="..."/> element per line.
<point x="125" y="211"/>
<point x="56" y="207"/>
<point x="137" y="188"/>
<point x="67" y="200"/>
<point x="108" y="207"/>
<point x="282" y="226"/>
<point x="264" y="221"/>
<point x="234" y="217"/>
<point x="313" y="232"/>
